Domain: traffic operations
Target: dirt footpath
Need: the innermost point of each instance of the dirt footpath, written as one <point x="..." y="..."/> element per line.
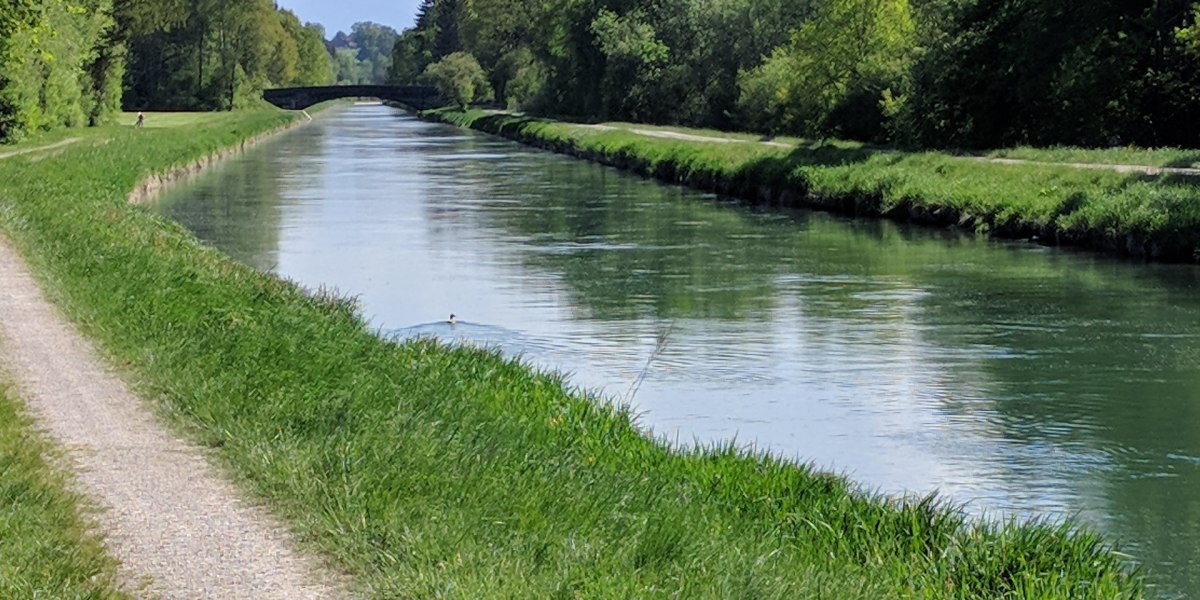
<point x="177" y="528"/>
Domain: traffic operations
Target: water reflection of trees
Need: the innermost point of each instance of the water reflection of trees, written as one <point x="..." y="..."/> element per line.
<point x="626" y="249"/>
<point x="235" y="207"/>
<point x="1097" y="364"/>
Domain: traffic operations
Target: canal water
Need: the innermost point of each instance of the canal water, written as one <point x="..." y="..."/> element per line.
<point x="1016" y="379"/>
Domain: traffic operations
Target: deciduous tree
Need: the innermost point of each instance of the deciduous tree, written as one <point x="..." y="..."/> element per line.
<point x="459" y="78"/>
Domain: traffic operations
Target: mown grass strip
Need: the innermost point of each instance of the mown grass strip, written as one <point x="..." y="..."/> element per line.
<point x="429" y="471"/>
<point x="1150" y="157"/>
<point x="1156" y="217"/>
<point x="1117" y="155"/>
<point x="46" y="548"/>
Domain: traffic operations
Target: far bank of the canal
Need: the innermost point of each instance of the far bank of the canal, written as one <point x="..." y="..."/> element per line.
<point x="1120" y="210"/>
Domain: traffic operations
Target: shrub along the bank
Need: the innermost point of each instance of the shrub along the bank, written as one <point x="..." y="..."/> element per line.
<point x="1156" y="217"/>
<point x="430" y="471"/>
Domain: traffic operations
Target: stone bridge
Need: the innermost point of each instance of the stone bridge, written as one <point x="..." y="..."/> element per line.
<point x="416" y="96"/>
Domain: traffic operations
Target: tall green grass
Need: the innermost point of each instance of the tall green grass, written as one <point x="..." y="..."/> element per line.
<point x="429" y="471"/>
<point x="46" y="549"/>
<point x="1140" y="215"/>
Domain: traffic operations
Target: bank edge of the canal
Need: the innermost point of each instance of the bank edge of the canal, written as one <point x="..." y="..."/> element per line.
<point x="422" y="468"/>
<point x="150" y="186"/>
<point x="1147" y="216"/>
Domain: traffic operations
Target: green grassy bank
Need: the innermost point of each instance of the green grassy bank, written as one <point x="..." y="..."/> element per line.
<point x="1156" y="217"/>
<point x="46" y="550"/>
<point x="427" y="471"/>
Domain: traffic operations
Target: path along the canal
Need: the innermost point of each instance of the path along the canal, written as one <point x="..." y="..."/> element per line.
<point x="178" y="528"/>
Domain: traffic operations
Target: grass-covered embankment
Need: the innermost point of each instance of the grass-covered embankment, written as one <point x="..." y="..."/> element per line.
<point x="426" y="471"/>
<point x="46" y="548"/>
<point x="1155" y="217"/>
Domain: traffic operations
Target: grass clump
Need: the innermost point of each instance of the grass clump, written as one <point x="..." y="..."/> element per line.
<point x="1156" y="217"/>
<point x="46" y="549"/>
<point x="431" y="471"/>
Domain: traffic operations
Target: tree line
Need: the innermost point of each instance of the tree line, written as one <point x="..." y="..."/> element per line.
<point x="60" y="64"/>
<point x="930" y="73"/>
<point x="364" y="55"/>
<point x="215" y="54"/>
<point x="67" y="63"/>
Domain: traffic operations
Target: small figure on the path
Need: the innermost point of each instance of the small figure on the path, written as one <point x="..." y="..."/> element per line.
<point x="141" y="120"/>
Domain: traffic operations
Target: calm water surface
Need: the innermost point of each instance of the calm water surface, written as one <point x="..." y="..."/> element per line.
<point x="1017" y="379"/>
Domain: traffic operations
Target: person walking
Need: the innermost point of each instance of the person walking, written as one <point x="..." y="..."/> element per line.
<point x="141" y="120"/>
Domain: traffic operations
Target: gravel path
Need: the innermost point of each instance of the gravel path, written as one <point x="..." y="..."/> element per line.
<point x="1143" y="169"/>
<point x="178" y="529"/>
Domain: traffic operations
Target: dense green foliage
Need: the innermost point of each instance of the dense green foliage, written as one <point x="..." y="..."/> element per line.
<point x="350" y="70"/>
<point x="60" y="65"/>
<point x="833" y="74"/>
<point x="69" y="63"/>
<point x="375" y="43"/>
<point x="215" y="54"/>
<point x="1040" y="72"/>
<point x="433" y="471"/>
<point x="966" y="73"/>
<point x="363" y="56"/>
<point x="1155" y="217"/>
<point x="459" y="79"/>
<point x="434" y="37"/>
<point x="46" y="551"/>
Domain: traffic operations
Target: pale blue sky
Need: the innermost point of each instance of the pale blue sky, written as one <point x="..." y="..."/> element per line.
<point x="341" y="14"/>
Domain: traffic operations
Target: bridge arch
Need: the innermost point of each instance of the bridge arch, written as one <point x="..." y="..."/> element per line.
<point x="298" y="98"/>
